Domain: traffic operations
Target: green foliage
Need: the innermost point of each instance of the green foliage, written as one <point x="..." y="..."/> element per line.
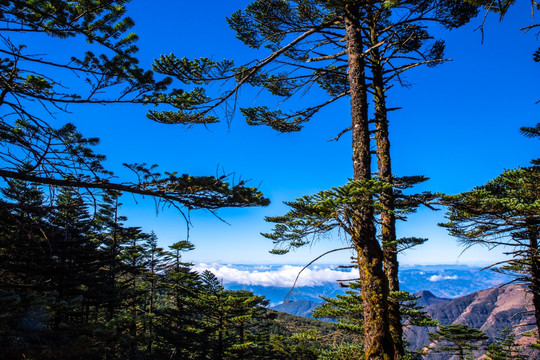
<point x="187" y="102"/>
<point x="197" y="71"/>
<point x="333" y="79"/>
<point x="411" y="313"/>
<point x="279" y="84"/>
<point x="275" y="119"/>
<point x="505" y="211"/>
<point x="347" y="310"/>
<point x="33" y="149"/>
<point x="234" y="322"/>
<point x="342" y="352"/>
<point x="504" y="347"/>
<point x="313" y="216"/>
<point x="76" y="282"/>
<point x="457" y="339"/>
<point x="266" y="20"/>
<point x="305" y="38"/>
<point x="532" y="132"/>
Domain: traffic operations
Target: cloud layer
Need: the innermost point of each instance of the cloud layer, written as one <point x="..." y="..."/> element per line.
<point x="278" y="276"/>
<point x="435" y="278"/>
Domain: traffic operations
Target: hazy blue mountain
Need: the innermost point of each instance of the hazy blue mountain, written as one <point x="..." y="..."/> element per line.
<point x="426" y="298"/>
<point x="441" y="281"/>
<point x="278" y="295"/>
<point x="448" y="281"/>
<point x="299" y="307"/>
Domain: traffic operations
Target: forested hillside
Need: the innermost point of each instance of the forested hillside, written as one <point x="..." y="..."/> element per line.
<point x="78" y="280"/>
<point x="77" y="284"/>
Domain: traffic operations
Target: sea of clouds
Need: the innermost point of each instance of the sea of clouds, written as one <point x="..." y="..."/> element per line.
<point x="435" y="278"/>
<point x="278" y="275"/>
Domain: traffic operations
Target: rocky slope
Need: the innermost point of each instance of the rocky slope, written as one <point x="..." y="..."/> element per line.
<point x="490" y="310"/>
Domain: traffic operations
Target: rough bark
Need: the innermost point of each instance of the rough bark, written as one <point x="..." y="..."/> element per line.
<point x="378" y="342"/>
<point x="388" y="219"/>
<point x="535" y="275"/>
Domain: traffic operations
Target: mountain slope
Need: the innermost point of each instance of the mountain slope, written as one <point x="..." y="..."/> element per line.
<point x="490" y="310"/>
<point x="426" y="298"/>
<point x="300" y="307"/>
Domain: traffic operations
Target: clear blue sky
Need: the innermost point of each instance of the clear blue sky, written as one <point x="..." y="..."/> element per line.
<point x="459" y="126"/>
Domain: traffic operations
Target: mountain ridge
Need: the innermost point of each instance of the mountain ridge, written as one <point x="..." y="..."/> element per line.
<point x="490" y="310"/>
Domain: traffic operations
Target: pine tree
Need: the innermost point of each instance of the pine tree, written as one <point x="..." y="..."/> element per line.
<point x="457" y="339"/>
<point x="24" y="285"/>
<point x="504" y="347"/>
<point x="306" y="40"/>
<point x="155" y="266"/>
<point x="179" y="331"/>
<point x="72" y="246"/>
<point x="53" y="276"/>
<point x="503" y="212"/>
<point x="75" y="274"/>
<point x="532" y="132"/>
<point x="346" y="310"/>
<point x="106" y="73"/>
<point x="232" y="321"/>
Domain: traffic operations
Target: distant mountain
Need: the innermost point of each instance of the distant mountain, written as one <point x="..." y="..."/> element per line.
<point x="278" y="295"/>
<point x="490" y="310"/>
<point x="426" y="298"/>
<point x="448" y="281"/>
<point x="442" y="281"/>
<point x="300" y="307"/>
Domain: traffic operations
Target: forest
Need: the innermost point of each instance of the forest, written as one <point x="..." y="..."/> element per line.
<point x="78" y="282"/>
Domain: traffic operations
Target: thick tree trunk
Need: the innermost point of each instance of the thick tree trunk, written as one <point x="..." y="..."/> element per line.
<point x="388" y="219"/>
<point x="534" y="258"/>
<point x="378" y="342"/>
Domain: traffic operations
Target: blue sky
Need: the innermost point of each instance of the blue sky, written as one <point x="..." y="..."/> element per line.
<point x="459" y="126"/>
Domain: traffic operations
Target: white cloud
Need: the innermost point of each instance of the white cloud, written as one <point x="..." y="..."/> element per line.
<point x="279" y="276"/>
<point x="435" y="278"/>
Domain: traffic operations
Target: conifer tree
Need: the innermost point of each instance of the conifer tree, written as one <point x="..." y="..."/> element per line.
<point x="78" y="286"/>
<point x="132" y="313"/>
<point x="23" y="225"/>
<point x="53" y="277"/>
<point x="75" y="272"/>
<point x="504" y="347"/>
<point x="346" y="310"/>
<point x="106" y="73"/>
<point x="457" y="339"/>
<point x="155" y="266"/>
<point x="503" y="212"/>
<point x="532" y="132"/>
<point x="24" y="285"/>
<point x="331" y="44"/>
<point x="232" y="322"/>
<point x="179" y="329"/>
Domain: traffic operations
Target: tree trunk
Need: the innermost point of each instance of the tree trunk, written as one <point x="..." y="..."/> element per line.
<point x="388" y="219"/>
<point x="461" y="354"/>
<point x="534" y="258"/>
<point x="378" y="342"/>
